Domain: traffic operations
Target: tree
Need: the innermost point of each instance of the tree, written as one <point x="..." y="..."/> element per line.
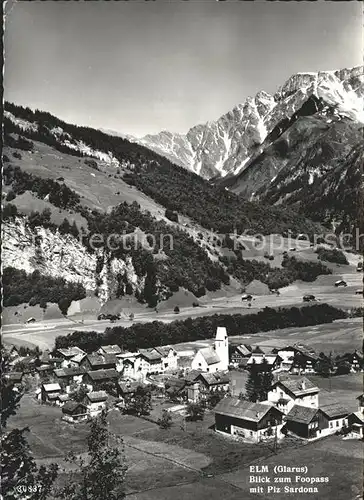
<point x="195" y="411"/>
<point x="80" y="393"/>
<point x="165" y="421"/>
<point x="176" y="309"/>
<point x="20" y="476"/>
<point x="140" y="403"/>
<point x="103" y="475"/>
<point x="259" y="382"/>
<point x="214" y="398"/>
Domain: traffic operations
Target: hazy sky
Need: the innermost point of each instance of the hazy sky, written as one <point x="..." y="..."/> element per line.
<point x="140" y="67"/>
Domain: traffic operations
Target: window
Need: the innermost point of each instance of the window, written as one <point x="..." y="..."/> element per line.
<point x="331" y="424"/>
<point x="337" y="423"/>
<point x="251" y="433"/>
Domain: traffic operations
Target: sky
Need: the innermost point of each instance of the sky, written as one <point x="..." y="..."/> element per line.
<point x="139" y="67"/>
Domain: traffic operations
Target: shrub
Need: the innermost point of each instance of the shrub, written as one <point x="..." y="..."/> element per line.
<point x="176" y="309"/>
<point x="331" y="255"/>
<point x="17" y="155"/>
<point x="91" y="163"/>
<point x="171" y="215"/>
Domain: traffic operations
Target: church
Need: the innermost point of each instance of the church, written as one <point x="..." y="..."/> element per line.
<point x="214" y="358"/>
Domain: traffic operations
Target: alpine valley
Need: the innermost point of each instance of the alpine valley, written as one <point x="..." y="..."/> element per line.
<point x="253" y="169"/>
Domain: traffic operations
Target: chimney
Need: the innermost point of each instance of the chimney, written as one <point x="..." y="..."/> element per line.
<point x="303" y="385"/>
<point x="257" y="414"/>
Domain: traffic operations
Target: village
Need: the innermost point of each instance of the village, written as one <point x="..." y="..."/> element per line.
<point x="278" y="399"/>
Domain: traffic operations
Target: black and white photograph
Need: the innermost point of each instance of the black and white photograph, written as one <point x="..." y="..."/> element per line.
<point x="182" y="250"/>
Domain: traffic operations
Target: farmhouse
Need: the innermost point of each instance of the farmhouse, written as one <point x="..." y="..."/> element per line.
<point x="272" y="362"/>
<point x="356" y="423"/>
<point x="335" y="418"/>
<point x="129" y="364"/>
<point x="211" y="382"/>
<point x="99" y="362"/>
<point x="304" y="422"/>
<point x="67" y="376"/>
<point x="94" y="379"/>
<point x="74" y="412"/>
<point x="289" y="392"/>
<point x="175" y="388"/>
<point x="355" y="360"/>
<point x="169" y="358"/>
<point x="150" y="362"/>
<point x="250" y="421"/>
<point x="216" y="358"/>
<point x="67" y="354"/>
<point x="240" y="354"/>
<point x="109" y="349"/>
<point x="95" y="402"/>
<point x="50" y="392"/>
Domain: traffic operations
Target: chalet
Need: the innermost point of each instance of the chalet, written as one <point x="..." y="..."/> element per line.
<point x="216" y="358"/>
<point x="150" y="362"/>
<point x="335" y="418"/>
<point x="74" y="412"/>
<point x="125" y="389"/>
<point x="240" y="354"/>
<point x="355" y="360"/>
<point x="287" y="355"/>
<point x="294" y="391"/>
<point x="129" y="364"/>
<point x="304" y="422"/>
<point x="361" y="402"/>
<point x="50" y="392"/>
<point x="68" y="376"/>
<point x="211" y="382"/>
<point x="304" y="362"/>
<point x="251" y="421"/>
<point x="169" y="358"/>
<point x="95" y="402"/>
<point x="14" y="378"/>
<point x="356" y="424"/>
<point x="76" y="361"/>
<point x="271" y="361"/>
<point x="68" y="354"/>
<point x="99" y="362"/>
<point x="175" y="388"/>
<point x="109" y="349"/>
<point x="94" y="379"/>
<point x="62" y="399"/>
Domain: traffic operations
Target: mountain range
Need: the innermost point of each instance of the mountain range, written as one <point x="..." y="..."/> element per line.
<point x="226" y="147"/>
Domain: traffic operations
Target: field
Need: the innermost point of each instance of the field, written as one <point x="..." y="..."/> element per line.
<point x="192" y="461"/>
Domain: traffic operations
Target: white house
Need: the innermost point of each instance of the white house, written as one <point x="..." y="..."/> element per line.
<point x="95" y="402"/>
<point x="215" y="358"/>
<point x="284" y="394"/>
<point x="252" y="422"/>
<point x="336" y="417"/>
<point x="169" y="358"/>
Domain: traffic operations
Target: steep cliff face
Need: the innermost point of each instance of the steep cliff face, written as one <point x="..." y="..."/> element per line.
<point x="228" y="145"/>
<point x="63" y="256"/>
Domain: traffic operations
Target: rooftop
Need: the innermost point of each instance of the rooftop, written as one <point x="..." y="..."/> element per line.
<point x="301" y="414"/>
<point x="298" y="386"/>
<point x="210" y="355"/>
<point x="150" y="354"/>
<point x="111" y="349"/>
<point x="51" y="387"/>
<point x="72" y="406"/>
<point x="97" y="375"/>
<point x="334" y="410"/>
<point x="234" y="407"/>
<point x="96" y="396"/>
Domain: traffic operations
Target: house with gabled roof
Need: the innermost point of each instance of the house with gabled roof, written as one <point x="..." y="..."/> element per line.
<point x="95" y="378"/>
<point x="67" y="353"/>
<point x="335" y="417"/>
<point x="354" y="359"/>
<point x="73" y="412"/>
<point x="356" y="424"/>
<point x="285" y="393"/>
<point x="240" y="354"/>
<point x="169" y="358"/>
<point x="68" y="376"/>
<point x="50" y="392"/>
<point x="109" y="349"/>
<point x="150" y="361"/>
<point x="95" y="402"/>
<point x="305" y="422"/>
<point x="15" y="378"/>
<point x="99" y="362"/>
<point x="252" y="422"/>
<point x="271" y="361"/>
